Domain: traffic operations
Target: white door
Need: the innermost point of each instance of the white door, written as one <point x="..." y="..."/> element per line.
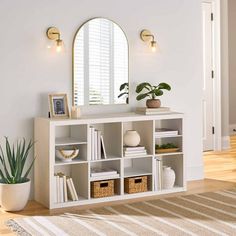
<point x="208" y="129"/>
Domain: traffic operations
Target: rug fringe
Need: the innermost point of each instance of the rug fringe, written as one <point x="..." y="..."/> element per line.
<point x="15" y="227"/>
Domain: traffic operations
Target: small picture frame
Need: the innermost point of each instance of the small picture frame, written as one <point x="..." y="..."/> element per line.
<point x="58" y="105"/>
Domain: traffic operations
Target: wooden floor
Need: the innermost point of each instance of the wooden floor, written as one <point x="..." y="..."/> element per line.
<point x="220" y="173"/>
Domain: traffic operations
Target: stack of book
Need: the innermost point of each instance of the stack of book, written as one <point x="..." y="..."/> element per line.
<point x="103" y="173"/>
<point x="152" y="111"/>
<point x="135" y="151"/>
<point x="97" y="149"/>
<point x="164" y="132"/>
<point x="158" y="175"/>
<point x="64" y="189"/>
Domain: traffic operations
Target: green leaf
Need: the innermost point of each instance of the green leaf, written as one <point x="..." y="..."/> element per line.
<point x="158" y="92"/>
<point x="123" y="86"/>
<point x="142" y="96"/>
<point x="28" y="171"/>
<point x="122" y="94"/>
<point x="164" y="86"/>
<point x="141" y="86"/>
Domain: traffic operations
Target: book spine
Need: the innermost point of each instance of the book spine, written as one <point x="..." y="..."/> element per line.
<point x="55" y="189"/>
<point x="103" y="147"/>
<point x="95" y="145"/>
<point x="58" y="188"/>
<point x="90" y="146"/>
<point x="73" y="189"/>
<point x="70" y="190"/>
<point x="65" y="189"/>
<point x="99" y="144"/>
<point x="92" y="143"/>
<point x="61" y="189"/>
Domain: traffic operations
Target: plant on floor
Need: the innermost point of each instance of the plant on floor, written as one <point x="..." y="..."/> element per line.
<point x="12" y="162"/>
<point x="152" y="92"/>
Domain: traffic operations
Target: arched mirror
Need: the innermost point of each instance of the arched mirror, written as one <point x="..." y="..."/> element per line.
<point x="100" y="64"/>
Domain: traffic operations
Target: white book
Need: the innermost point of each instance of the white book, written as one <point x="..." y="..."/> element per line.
<point x="74" y="191"/>
<point x="146" y="109"/>
<point x="90" y="138"/>
<point x="135" y="151"/>
<point x="55" y="189"/>
<point x="105" y="173"/>
<point x="103" y="148"/>
<point x="105" y="177"/>
<point x="92" y="143"/>
<point x="99" y="144"/>
<point x="65" y="189"/>
<point x="70" y="190"/>
<point x="136" y="154"/>
<point x="95" y="145"/>
<point x="58" y="188"/>
<point x="134" y="148"/>
<point x="61" y="189"/>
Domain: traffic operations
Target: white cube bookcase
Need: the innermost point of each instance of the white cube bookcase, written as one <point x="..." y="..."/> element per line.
<point x="51" y="133"/>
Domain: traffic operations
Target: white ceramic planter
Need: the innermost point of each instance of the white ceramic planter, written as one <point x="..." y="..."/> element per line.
<point x="131" y="138"/>
<point x="14" y="197"/>
<point x="168" y="177"/>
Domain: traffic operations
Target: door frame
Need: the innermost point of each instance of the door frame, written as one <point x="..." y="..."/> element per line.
<point x="216" y="10"/>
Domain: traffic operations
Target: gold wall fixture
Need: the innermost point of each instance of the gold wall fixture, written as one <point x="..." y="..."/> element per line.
<point x="54" y="34"/>
<point x="147" y="36"/>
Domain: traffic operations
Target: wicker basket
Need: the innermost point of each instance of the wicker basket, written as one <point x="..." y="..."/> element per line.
<point x="136" y="184"/>
<point x="102" y="188"/>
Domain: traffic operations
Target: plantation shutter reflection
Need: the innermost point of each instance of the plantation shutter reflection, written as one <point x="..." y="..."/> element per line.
<point x="100" y="63"/>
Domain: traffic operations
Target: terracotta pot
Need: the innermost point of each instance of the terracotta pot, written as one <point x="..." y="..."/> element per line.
<point x="153" y="103"/>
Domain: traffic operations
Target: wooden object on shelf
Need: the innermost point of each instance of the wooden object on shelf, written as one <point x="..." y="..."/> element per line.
<point x="136" y="184"/>
<point x="102" y="189"/>
<point x="167" y="150"/>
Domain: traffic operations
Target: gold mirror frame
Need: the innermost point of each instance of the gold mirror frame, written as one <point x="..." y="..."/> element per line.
<point x="73" y="46"/>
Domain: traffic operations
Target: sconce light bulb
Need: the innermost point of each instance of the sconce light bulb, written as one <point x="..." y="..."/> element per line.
<point x="153" y="46"/>
<point x="59" y="45"/>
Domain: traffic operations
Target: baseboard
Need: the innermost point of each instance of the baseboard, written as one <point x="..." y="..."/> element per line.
<point x="232" y="127"/>
<point x="195" y="173"/>
<point x="226" y="142"/>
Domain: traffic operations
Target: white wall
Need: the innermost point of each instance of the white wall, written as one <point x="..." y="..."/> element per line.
<point x="29" y="72"/>
<point x="232" y="63"/>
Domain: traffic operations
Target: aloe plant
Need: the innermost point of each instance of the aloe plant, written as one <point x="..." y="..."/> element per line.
<point x="12" y="162"/>
<point x="152" y="91"/>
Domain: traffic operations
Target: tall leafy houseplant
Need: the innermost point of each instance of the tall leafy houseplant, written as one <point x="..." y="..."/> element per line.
<point x="146" y="90"/>
<point x="14" y="174"/>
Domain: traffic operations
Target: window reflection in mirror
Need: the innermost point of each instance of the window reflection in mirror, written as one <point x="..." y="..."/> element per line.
<point x="100" y="64"/>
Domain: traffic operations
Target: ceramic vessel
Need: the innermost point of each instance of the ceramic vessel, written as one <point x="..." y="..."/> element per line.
<point x="168" y="177"/>
<point x="14" y="197"/>
<point x="131" y="138"/>
<point x="67" y="154"/>
<point x="153" y="103"/>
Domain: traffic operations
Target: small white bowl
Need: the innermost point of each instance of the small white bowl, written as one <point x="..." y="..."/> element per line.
<point x="67" y="154"/>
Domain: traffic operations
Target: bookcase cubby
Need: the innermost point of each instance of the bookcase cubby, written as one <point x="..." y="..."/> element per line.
<point x="51" y="134"/>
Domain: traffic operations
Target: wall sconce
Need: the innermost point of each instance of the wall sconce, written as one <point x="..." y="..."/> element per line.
<point x="54" y="34"/>
<point x="147" y="36"/>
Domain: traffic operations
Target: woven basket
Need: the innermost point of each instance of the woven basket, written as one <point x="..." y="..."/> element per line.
<point x="136" y="184"/>
<point x="102" y="188"/>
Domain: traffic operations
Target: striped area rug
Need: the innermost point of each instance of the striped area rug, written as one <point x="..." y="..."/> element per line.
<point x="205" y="214"/>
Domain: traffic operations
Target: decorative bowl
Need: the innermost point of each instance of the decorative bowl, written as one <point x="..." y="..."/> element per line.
<point x="67" y="154"/>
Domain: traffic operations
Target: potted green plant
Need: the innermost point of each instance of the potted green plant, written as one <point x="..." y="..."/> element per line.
<point x="146" y="90"/>
<point x="124" y="89"/>
<point x="14" y="182"/>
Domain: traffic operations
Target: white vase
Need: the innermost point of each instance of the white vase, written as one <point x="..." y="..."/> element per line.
<point x="131" y="138"/>
<point x="14" y="197"/>
<point x="168" y="177"/>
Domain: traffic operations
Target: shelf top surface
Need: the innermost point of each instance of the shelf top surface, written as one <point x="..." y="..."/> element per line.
<point x="114" y="117"/>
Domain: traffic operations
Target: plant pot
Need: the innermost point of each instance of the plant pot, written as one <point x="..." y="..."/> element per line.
<point x="131" y="138"/>
<point x="14" y="197"/>
<point x="153" y="103"/>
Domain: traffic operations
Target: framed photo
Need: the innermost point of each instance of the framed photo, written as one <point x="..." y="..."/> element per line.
<point x="58" y="105"/>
